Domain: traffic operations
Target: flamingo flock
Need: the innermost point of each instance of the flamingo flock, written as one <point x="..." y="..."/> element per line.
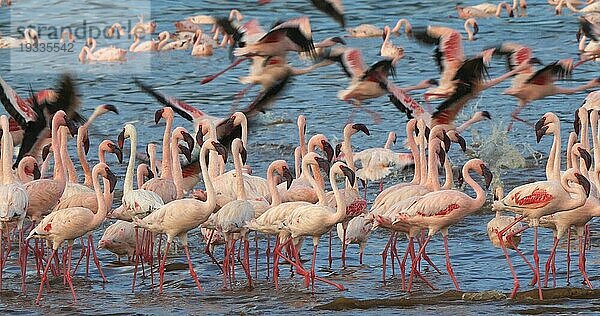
<point x="239" y="210"/>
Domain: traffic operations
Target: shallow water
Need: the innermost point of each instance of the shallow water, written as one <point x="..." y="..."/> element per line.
<point x="479" y="266"/>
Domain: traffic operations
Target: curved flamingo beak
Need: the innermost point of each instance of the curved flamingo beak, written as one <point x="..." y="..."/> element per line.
<point x="541" y="122"/>
<point x="349" y="174"/>
<point x="36" y="172"/>
<point x="121" y="139"/>
<point x="338" y="150"/>
<point x="446" y="141"/>
<point x="323" y="164"/>
<point x="287" y="175"/>
<point x="188" y="139"/>
<point x="86" y="144"/>
<point x="158" y="115"/>
<point x="540" y="133"/>
<point x="487" y="175"/>
<point x="186" y="152"/>
<point x="475" y="29"/>
<point x="577" y="123"/>
<point x="427" y="132"/>
<point x="486" y="114"/>
<point x="46" y="151"/>
<point x="117" y="151"/>
<point x="328" y="150"/>
<point x="587" y="158"/>
<point x="361" y="127"/>
<point x="111" y="108"/>
<point x="111" y="178"/>
<point x="461" y="142"/>
<point x="150" y="174"/>
<point x="584" y="182"/>
<point x="221" y="150"/>
<point x="442" y="155"/>
<point x="199" y="138"/>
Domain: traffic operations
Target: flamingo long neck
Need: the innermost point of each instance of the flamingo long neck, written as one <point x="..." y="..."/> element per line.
<point x="21" y="173"/>
<point x="423" y="170"/>
<point x="347" y="148"/>
<point x="102" y="159"/>
<point x="574" y="190"/>
<point x="164" y="41"/>
<point x="386" y="40"/>
<point x="275" y="197"/>
<point x="102" y="208"/>
<point x="415" y="153"/>
<point x="448" y="174"/>
<point x="469" y="29"/>
<point x="90" y="120"/>
<point x="152" y="158"/>
<point x="166" y="172"/>
<point x="177" y="175"/>
<point x="83" y="160"/>
<point x="315" y="169"/>
<point x="136" y="42"/>
<point x="555" y="152"/>
<point x="7" y="175"/>
<point x="464" y="126"/>
<point x="432" y="169"/>
<point x="582" y="43"/>
<point x="302" y="137"/>
<point x="570" y="142"/>
<point x="128" y="184"/>
<point x="65" y="161"/>
<point x="389" y="141"/>
<point x="215" y="162"/>
<point x="297" y="161"/>
<point x="211" y="201"/>
<point x="594" y="122"/>
<point x="479" y="199"/>
<point x="244" y="126"/>
<point x="140" y="174"/>
<point x="66" y="157"/>
<point x="399" y="26"/>
<point x="239" y="177"/>
<point x="340" y="212"/>
<point x="316" y="185"/>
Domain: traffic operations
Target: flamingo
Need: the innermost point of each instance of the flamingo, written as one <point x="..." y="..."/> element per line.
<point x="201" y="48"/>
<point x="67" y="37"/>
<point x="440" y="209"/>
<point x="142" y="27"/>
<point x="592" y="7"/>
<point x="164" y="185"/>
<point x="178" y="217"/>
<point x="537" y="199"/>
<point x="143" y="171"/>
<point x="30" y="37"/>
<point x="72" y="223"/>
<point x="561" y="222"/>
<point x="44" y="194"/>
<point x="333" y="8"/>
<point x="14" y="199"/>
<point x="378" y="163"/>
<point x="139" y="46"/>
<point x="316" y="220"/>
<point x="165" y="45"/>
<point x="73" y="187"/>
<point x="107" y="54"/>
<point x="484" y="10"/>
<point x="357" y="232"/>
<point x="388" y="49"/>
<point x="368" y="30"/>
<point x="291" y="35"/>
<point x="541" y="84"/>
<point x="28" y="169"/>
<point x="119" y="238"/>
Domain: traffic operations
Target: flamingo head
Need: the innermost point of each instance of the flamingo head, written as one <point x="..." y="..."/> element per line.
<point x="121" y="139"/>
<point x="112" y="148"/>
<point x="86" y="141"/>
<point x="186" y="152"/>
<point x="348" y="173"/>
<point x="200" y="137"/>
<point x="220" y="149"/>
<point x="338" y="151"/>
<point x="283" y="169"/>
<point x="456" y="138"/>
<point x="487" y="175"/>
<point x="326" y="147"/>
<point x="243" y="154"/>
<point x="498" y="193"/>
<point x="539" y="133"/>
<point x="187" y="138"/>
<point x="158" y="115"/>
<point x="46" y="151"/>
<point x="110" y="177"/>
<point x="360" y="127"/>
<point x="584" y="154"/>
<point x="109" y="108"/>
<point x="323" y="163"/>
<point x="36" y="171"/>
<point x="584" y="182"/>
<point x="386" y="31"/>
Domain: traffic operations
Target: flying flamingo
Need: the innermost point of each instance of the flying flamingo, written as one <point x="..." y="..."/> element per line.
<point x="438" y="210"/>
<point x="333" y="8"/>
<point x="178" y="217"/>
<point x="72" y="223"/>
<point x="316" y="220"/>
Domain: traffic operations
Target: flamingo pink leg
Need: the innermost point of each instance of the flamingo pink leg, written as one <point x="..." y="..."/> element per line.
<point x="330" y="256"/>
<point x="161" y="272"/>
<point x="344" y="245"/>
<point x="536" y="260"/>
<point x="410" y="248"/>
<point x="96" y="261"/>
<point x="582" y="262"/>
<point x="1" y="256"/>
<point x="568" y="254"/>
<point x="550" y="261"/>
<point x="206" y="250"/>
<point x="213" y="77"/>
<point x="512" y="270"/>
<point x="413" y="267"/>
<point x="246" y="262"/>
<point x="137" y="260"/>
<point x="449" y="265"/>
<point x="255" y="255"/>
<point x="384" y="256"/>
<point x="192" y="272"/>
<point x="268" y="254"/>
<point x="44" y="275"/>
<point x="68" y="272"/>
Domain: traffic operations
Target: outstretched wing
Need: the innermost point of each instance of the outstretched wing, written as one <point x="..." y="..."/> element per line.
<point x="549" y="74"/>
<point x="404" y="102"/>
<point x="516" y="54"/>
<point x="333" y="8"/>
<point x="186" y="111"/>
<point x="379" y="71"/>
<point x="352" y="63"/>
<point x="18" y="108"/>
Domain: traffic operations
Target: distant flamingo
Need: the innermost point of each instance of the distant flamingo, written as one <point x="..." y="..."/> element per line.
<point x="105" y="54"/>
<point x="484" y="10"/>
<point x="368" y="30"/>
<point x="139" y="46"/>
<point x="388" y="49"/>
<point x="119" y="238"/>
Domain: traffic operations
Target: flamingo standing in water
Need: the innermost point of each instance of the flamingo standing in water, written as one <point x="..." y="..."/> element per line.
<point x="13" y="200"/>
<point x="178" y="217"/>
<point x="438" y="210"/>
<point x="316" y="220"/>
<point x="72" y="223"/>
<point x="484" y="10"/>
